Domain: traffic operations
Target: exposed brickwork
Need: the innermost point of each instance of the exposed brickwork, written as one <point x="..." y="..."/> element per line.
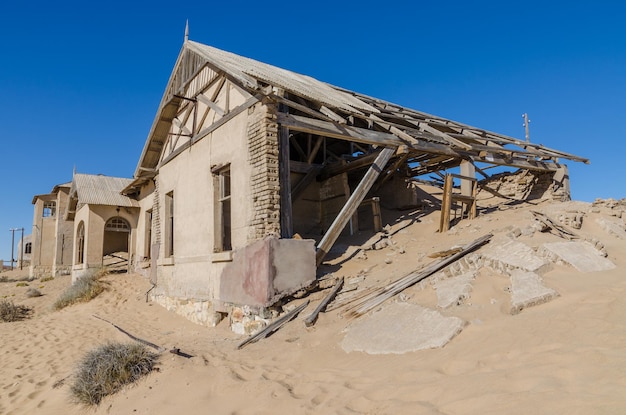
<point x="525" y="185"/>
<point x="156" y="215"/>
<point x="265" y="185"/>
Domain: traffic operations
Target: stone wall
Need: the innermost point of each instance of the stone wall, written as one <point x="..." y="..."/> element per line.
<point x="265" y="186"/>
<point x="525" y="185"/>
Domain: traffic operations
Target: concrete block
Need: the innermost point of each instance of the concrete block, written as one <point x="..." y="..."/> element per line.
<point x="267" y="270"/>
<point x="612" y="226"/>
<point x="454" y="290"/>
<point x="581" y="255"/>
<point x="527" y="290"/>
<point x="505" y="254"/>
<point x="400" y="328"/>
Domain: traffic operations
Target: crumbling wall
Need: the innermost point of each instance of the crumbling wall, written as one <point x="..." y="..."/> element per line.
<point x="263" y="158"/>
<point x="527" y="185"/>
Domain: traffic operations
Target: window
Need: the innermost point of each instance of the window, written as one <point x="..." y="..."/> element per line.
<point x="80" y="243"/>
<point x="117" y="224"/>
<point x="148" y="233"/>
<point x="49" y="208"/>
<point x="169" y="224"/>
<point x="222" y="211"/>
<point x="28" y="248"/>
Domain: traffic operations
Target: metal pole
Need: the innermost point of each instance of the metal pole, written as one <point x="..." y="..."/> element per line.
<point x="22" y="251"/>
<point x="12" y="245"/>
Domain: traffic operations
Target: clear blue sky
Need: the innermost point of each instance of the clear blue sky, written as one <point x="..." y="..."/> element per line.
<point x="80" y="82"/>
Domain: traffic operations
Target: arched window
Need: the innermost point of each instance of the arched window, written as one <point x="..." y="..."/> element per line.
<point x="80" y="243"/>
<point x="28" y="248"/>
<point x="117" y="224"/>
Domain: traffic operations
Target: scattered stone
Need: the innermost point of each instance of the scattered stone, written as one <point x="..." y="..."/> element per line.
<point x="400" y="328"/>
<point x="581" y="255"/>
<point x="527" y="290"/>
<point x="455" y="290"/>
<point x="388" y="261"/>
<point x="612" y="227"/>
<point x="504" y="254"/>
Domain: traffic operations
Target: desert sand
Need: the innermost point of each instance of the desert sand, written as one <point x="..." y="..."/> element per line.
<point x="567" y="355"/>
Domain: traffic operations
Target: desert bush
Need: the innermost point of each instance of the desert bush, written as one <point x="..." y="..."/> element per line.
<point x="21" y="284"/>
<point x="46" y="279"/>
<point x="11" y="312"/>
<point x="33" y="292"/>
<point x="84" y="289"/>
<point x="108" y="368"/>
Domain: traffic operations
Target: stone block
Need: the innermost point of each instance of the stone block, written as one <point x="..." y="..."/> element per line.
<point x="581" y="255"/>
<point x="527" y="290"/>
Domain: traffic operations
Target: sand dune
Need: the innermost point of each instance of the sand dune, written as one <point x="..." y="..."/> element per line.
<point x="564" y="356"/>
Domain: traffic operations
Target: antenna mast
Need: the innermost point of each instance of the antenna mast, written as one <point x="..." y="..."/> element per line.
<point x="526" y="122"/>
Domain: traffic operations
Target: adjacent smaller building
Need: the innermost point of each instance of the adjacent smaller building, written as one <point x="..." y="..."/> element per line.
<point x="51" y="238"/>
<point x="80" y="224"/>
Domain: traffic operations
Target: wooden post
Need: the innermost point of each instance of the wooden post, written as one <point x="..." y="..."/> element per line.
<point x="284" y="173"/>
<point x="353" y="203"/>
<point x="467" y="170"/>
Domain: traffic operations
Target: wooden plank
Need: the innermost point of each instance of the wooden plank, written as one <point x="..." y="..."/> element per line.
<point x="353" y="203"/>
<point x="403" y="283"/>
<point x="308" y="178"/>
<point x="315" y="149"/>
<point x="343" y="167"/>
<point x="342" y="132"/>
<point x="274" y="326"/>
<point x="310" y="320"/>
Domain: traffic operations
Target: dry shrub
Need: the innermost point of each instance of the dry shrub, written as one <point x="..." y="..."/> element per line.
<point x="84" y="289"/>
<point x="33" y="292"/>
<point x="11" y="312"/>
<point x="46" y="279"/>
<point x="108" y="368"/>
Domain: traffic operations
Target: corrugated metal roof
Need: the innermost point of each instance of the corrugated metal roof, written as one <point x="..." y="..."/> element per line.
<point x="251" y="70"/>
<point x="101" y="190"/>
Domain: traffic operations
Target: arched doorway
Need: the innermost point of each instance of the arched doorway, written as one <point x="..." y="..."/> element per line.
<point x="115" y="244"/>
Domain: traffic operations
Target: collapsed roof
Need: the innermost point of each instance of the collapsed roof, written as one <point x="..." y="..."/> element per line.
<point x="428" y="143"/>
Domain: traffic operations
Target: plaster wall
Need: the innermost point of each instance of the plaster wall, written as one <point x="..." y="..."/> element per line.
<point x="193" y="269"/>
<point x="95" y="217"/>
<point x="64" y="231"/>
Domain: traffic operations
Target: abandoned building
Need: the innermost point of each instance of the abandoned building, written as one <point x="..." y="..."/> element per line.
<point x="82" y="225"/>
<point x="250" y="173"/>
<point x="52" y="235"/>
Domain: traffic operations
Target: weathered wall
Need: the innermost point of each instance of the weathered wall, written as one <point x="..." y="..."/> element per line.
<point x="64" y="230"/>
<point x="146" y="229"/>
<point x="44" y="238"/>
<point x="192" y="272"/>
<point x="95" y="217"/>
<point x="267" y="270"/>
<point x="262" y="149"/>
<point x="529" y="185"/>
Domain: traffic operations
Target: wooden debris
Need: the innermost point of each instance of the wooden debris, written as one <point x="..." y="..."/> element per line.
<point x="557" y="229"/>
<point x="137" y="339"/>
<point x="273" y="326"/>
<point x="446" y="253"/>
<point x="381" y="295"/>
<point x="177" y="352"/>
<point x="310" y="320"/>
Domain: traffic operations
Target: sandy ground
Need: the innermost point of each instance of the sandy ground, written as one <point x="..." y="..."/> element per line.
<point x="565" y="356"/>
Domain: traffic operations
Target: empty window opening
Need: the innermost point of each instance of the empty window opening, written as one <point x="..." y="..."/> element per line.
<point x="223" y="241"/>
<point x="80" y="243"/>
<point x="169" y="229"/>
<point x="28" y="248"/>
<point x="49" y="209"/>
